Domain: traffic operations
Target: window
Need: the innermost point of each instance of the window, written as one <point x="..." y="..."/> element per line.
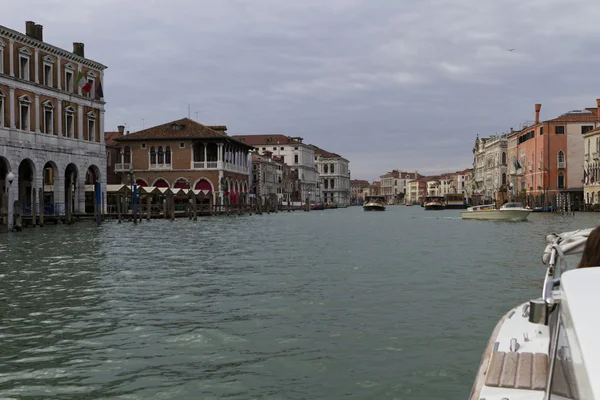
<point x="295" y="158"/>
<point x="503" y="179"/>
<point x="91" y="126"/>
<point x="332" y="169"/>
<point x="69" y="81"/>
<point x="92" y="93"/>
<point x="69" y="122"/>
<point x="127" y="155"/>
<point x="143" y="146"/>
<point x="281" y="148"/>
<point x="24" y="56"/>
<point x="2" y="97"/>
<point x="152" y="155"/>
<point x="24" y="116"/>
<point x="161" y="155"/>
<point x="559" y="130"/>
<point x="561" y="180"/>
<point x="325" y="168"/>
<point x="326" y="183"/>
<point x="47" y="77"/>
<point x="295" y="148"/>
<point x="48" y="126"/>
<point x="168" y="155"/>
<point x="503" y="158"/>
<point x="332" y="184"/>
<point x="541" y="130"/>
<point x="274" y="148"/>
<point x="586" y="129"/>
<point x="561" y="160"/>
<point x="182" y="145"/>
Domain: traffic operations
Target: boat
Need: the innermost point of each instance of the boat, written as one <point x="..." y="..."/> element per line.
<point x="434" y="203"/>
<point x="374" y="203"/>
<point x="511" y="211"/>
<point x="548" y="347"/>
<point x="454" y="201"/>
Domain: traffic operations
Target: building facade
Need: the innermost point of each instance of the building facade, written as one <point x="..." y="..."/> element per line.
<point x="591" y="165"/>
<point x="51" y="124"/>
<point x="357" y="187"/>
<point x="334" y="177"/>
<point x="490" y="167"/>
<point x="298" y="155"/>
<point x="186" y="154"/>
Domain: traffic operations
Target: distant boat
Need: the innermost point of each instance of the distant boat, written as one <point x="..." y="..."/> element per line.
<point x="374" y="203"/>
<point x="434" y="203"/>
<point x="508" y="212"/>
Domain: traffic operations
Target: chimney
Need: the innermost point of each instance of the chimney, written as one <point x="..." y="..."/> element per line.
<point x="121" y="129"/>
<point x="78" y="49"/>
<point x="30" y="29"/>
<point x="537" y="113"/>
<point x="598" y="104"/>
<point x="39" y="32"/>
<point x="511" y="130"/>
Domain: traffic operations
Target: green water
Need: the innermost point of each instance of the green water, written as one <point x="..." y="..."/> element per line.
<point x="336" y="304"/>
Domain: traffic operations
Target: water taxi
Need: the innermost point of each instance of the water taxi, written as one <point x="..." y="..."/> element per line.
<point x="374" y="203"/>
<point x="434" y="203"/>
<point x="508" y="212"/>
<point x="454" y="201"/>
<point x="548" y="347"/>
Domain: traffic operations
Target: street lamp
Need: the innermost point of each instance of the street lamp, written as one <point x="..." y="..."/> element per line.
<point x="10" y="178"/>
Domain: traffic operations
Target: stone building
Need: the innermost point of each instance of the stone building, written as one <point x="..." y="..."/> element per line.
<point x="186" y="154"/>
<point x="334" y="177"/>
<point x="591" y="165"/>
<point x="357" y="187"/>
<point x="292" y="151"/>
<point x="51" y="123"/>
<point x="267" y="177"/>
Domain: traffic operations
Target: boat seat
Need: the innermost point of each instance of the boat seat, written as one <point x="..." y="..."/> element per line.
<point x="517" y="370"/>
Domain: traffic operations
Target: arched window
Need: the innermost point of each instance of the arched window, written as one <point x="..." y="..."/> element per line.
<point x="127" y="155"/>
<point x="561" y="180"/>
<point x="503" y="158"/>
<point x="332" y="169"/>
<point x="325" y="168"/>
<point x="168" y="155"/>
<point x="152" y="155"/>
<point x="161" y="155"/>
<point x="561" y="159"/>
<point x="48" y="121"/>
<point x="2" y="97"/>
<point x="503" y="179"/>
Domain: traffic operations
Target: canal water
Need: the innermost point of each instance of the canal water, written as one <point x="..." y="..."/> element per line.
<point x="336" y="304"/>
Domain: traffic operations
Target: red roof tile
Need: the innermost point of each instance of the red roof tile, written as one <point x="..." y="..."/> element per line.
<point x="324" y="153"/>
<point x="256" y="140"/>
<point x="109" y="138"/>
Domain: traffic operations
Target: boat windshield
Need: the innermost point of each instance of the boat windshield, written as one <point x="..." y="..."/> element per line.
<point x="512" y="205"/>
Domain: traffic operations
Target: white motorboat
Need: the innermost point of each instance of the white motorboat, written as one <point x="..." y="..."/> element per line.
<point x="434" y="203"/>
<point x="548" y="347"/>
<point x="374" y="203"/>
<point x="509" y="212"/>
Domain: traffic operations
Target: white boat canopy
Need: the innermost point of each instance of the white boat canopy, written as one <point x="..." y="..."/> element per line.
<point x="567" y="243"/>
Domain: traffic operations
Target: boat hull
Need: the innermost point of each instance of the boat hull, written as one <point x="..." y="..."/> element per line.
<point x="434" y="207"/>
<point x="497" y="215"/>
<point x="372" y="207"/>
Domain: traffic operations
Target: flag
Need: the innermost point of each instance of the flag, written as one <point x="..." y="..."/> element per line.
<point x="99" y="90"/>
<point x="83" y="83"/>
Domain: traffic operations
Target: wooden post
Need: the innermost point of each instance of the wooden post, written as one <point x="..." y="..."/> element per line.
<point x="171" y="202"/>
<point x="103" y="207"/>
<point x="4" y="210"/>
<point x="165" y="208"/>
<point x="218" y="206"/>
<point x="211" y="201"/>
<point x="194" y="205"/>
<point x="41" y="196"/>
<point x="119" y="203"/>
<point x="149" y="207"/>
<point x="33" y="207"/>
<point x="69" y="205"/>
<point x="307" y="204"/>
<point x="18" y="219"/>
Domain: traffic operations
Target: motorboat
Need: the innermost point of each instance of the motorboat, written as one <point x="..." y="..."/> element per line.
<point x="374" y="203"/>
<point x="434" y="203"/>
<point x="511" y="211"/>
<point x="548" y="347"/>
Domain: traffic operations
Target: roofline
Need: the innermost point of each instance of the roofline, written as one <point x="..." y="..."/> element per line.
<point x="12" y="34"/>
<point x="124" y="138"/>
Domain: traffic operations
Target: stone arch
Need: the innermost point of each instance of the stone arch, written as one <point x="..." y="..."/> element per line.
<point x="181" y="182"/>
<point x="93" y="177"/>
<point x="26" y="189"/>
<point x="161" y="182"/>
<point x="50" y="185"/>
<point x="141" y="182"/>
<point x="4" y="170"/>
<point x="203" y="183"/>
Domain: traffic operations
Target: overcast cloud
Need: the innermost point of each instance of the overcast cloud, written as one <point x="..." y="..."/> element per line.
<point x="385" y="83"/>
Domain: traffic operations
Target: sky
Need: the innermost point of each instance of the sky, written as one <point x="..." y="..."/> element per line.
<point x="387" y="84"/>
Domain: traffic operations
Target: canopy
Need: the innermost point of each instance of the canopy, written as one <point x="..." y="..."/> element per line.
<point x="572" y="242"/>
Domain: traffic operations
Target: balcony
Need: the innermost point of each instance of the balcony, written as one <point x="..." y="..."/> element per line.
<point x="123" y="167"/>
<point x="562" y="165"/>
<point x="160" y="166"/>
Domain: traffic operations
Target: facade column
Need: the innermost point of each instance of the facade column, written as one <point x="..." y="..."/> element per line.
<point x="37" y="66"/>
<point x="59" y="115"/>
<point x="80" y="193"/>
<point x="205" y="157"/>
<point x="102" y="127"/>
<point x="79" y="134"/>
<point x="11" y="92"/>
<point x="219" y="150"/>
<point x="11" y="51"/>
<point x="58" y="73"/>
<point x="75" y="79"/>
<point x="59" y="190"/>
<point x="37" y="113"/>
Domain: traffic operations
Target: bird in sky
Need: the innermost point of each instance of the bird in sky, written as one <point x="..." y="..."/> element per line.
<point x="510" y="49"/>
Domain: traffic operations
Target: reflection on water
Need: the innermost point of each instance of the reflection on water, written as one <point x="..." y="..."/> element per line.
<point x="320" y="305"/>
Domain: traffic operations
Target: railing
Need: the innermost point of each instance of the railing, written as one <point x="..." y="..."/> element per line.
<point x="562" y="165"/>
<point x="120" y="167"/>
<point x="595" y="155"/>
<point x="49" y="209"/>
<point x="211" y="164"/>
<point x="160" y="166"/>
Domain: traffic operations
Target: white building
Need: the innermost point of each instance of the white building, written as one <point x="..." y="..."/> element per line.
<point x="51" y="128"/>
<point x="291" y="150"/>
<point x="334" y="177"/>
<point x="490" y="166"/>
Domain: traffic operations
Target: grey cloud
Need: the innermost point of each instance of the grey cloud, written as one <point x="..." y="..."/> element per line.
<point x="388" y="84"/>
